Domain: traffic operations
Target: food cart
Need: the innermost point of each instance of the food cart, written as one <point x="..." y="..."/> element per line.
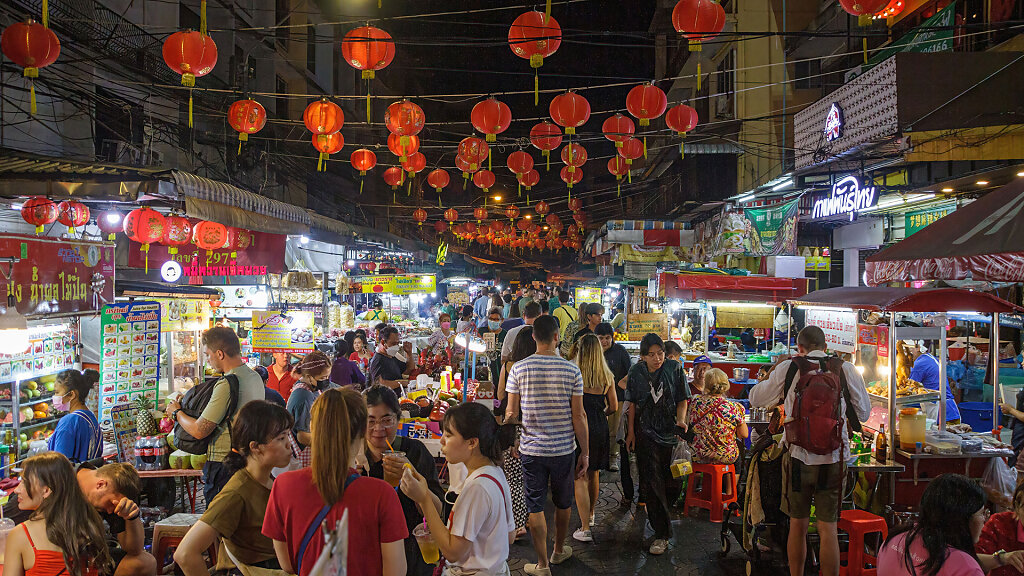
<point x="846" y="314"/>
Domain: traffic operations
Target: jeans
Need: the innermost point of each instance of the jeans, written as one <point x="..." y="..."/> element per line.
<point x="653" y="460"/>
<point x="215" y="476"/>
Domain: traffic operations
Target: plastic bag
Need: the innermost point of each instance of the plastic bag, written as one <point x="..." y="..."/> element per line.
<point x="682" y="460"/>
<point x="999" y="482"/>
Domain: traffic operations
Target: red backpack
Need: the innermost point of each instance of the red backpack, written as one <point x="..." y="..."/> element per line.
<point x="816" y="423"/>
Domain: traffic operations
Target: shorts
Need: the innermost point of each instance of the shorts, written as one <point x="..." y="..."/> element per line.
<point x="539" y="472"/>
<point x="804" y="484"/>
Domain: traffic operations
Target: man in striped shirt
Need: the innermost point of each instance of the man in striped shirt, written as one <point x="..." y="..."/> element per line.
<point x="549" y="392"/>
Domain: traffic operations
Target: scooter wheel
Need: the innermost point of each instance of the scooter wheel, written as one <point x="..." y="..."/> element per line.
<point x="726" y="544"/>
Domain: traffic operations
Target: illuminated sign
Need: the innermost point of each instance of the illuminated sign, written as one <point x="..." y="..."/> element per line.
<point x="834" y="123"/>
<point x="170" y="271"/>
<point x="848" y="196"/>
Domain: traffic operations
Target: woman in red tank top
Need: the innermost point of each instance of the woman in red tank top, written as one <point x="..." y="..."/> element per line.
<point x="64" y="535"/>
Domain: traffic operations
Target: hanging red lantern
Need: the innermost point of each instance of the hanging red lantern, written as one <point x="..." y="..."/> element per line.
<point x="323" y="117"/>
<point x="32" y="46"/>
<point x="72" y="214"/>
<point x="539" y="244"/>
<point x="574" y="156"/>
<point x="491" y="117"/>
<point x="681" y="118"/>
<point x="631" y="150"/>
<point x="542" y="208"/>
<point x="698" y="20"/>
<point x="646" y="102"/>
<point x="439" y="227"/>
<point x="474" y="150"/>
<point x="208" y="235"/>
<point x="617" y="167"/>
<point x="246" y="117"/>
<point x="483" y="180"/>
<point x="469" y="228"/>
<point x="571" y="175"/>
<point x="497" y="227"/>
<point x="145" y="226"/>
<point x="528" y="180"/>
<point x="415" y="164"/>
<point x="438" y="179"/>
<point x="394" y="176"/>
<point x="580" y="219"/>
<point x="191" y="54"/>
<point x="403" y="146"/>
<point x="618" y="128"/>
<point x="535" y="36"/>
<point x="368" y="49"/>
<point x="545" y="136"/>
<point x="512" y="212"/>
<point x="39" y="212"/>
<point x="110" y="224"/>
<point x="523" y="224"/>
<point x="481" y="239"/>
<point x="519" y="162"/>
<point x="863" y="7"/>
<point x="177" y="232"/>
<point x="327" y="144"/>
<point x="465" y="167"/>
<point x="480" y="213"/>
<point x="575" y="204"/>
<point x="570" y="111"/>
<point x="451" y="215"/>
<point x="420" y="216"/>
<point x="363" y="160"/>
<point x="553" y="220"/>
<point x="404" y="118"/>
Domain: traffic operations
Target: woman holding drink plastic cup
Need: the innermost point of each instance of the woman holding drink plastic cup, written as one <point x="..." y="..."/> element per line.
<point x="481" y="527"/>
<point x="386" y="456"/>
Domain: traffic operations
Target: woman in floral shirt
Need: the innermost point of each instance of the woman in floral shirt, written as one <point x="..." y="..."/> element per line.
<point x="716" y="422"/>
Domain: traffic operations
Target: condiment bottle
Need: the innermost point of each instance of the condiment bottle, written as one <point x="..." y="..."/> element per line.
<point x="881" y="445"/>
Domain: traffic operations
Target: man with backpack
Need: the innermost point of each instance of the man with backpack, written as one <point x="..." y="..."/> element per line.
<point x="566" y="315"/>
<point x="822" y="396"/>
<point x="213" y="424"/>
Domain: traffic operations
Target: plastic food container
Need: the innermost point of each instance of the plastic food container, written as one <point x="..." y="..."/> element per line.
<point x="971" y="444"/>
<point x="943" y="442"/>
<point x="912" y="427"/>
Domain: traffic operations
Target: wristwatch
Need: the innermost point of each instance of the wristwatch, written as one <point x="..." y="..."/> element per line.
<point x="999" y="557"/>
<point x="174" y="415"/>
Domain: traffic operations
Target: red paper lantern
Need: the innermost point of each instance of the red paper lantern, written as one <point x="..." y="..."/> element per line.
<point x="465" y="166"/>
<point x="863" y="7"/>
<point x="404" y="118"/>
<point x="631" y="150"/>
<point x="480" y="213"/>
<point x="145" y="226"/>
<point x="512" y="212"/>
<point x="484" y="179"/>
<point x="177" y="232"/>
<point x="481" y="239"/>
<point x="72" y="214"/>
<point x="451" y="215"/>
<point x="415" y="164"/>
<point x="575" y="204"/>
<point x="368" y="49"/>
<point x="246" y="117"/>
<point x="403" y="146"/>
<point x="570" y="111"/>
<point x="31" y="46"/>
<point x="191" y="54"/>
<point x="474" y="150"/>
<point x="617" y="167"/>
<point x="698" y="20"/>
<point x="469" y="228"/>
<point x="574" y="156"/>
<point x="209" y="235"/>
<point x="618" y="128"/>
<point x="420" y="216"/>
<point x="519" y="162"/>
<point x="491" y="117"/>
<point x="534" y="36"/>
<point x="438" y="179"/>
<point x="39" y="212"/>
<point x="363" y="160"/>
<point x="323" y="117"/>
<point x="571" y="175"/>
<point x="529" y="179"/>
<point x="681" y="118"/>
<point x="580" y="219"/>
<point x="394" y="177"/>
<point x="545" y="136"/>
<point x="646" y="102"/>
<point x="542" y="208"/>
<point x="539" y="244"/>
<point x="327" y="144"/>
<point x="497" y="227"/>
<point x="439" y="227"/>
<point x="553" y="220"/>
<point x="524" y="224"/>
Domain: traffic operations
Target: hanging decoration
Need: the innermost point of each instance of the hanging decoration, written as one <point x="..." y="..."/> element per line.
<point x="542" y="208"/>
<point x="209" y="236"/>
<point x="535" y="36"/>
<point x="39" y="212"/>
<point x="545" y="137"/>
<point x="682" y="119"/>
<point x="109" y="223"/>
<point x="363" y="160"/>
<point x="573" y="156"/>
<point x="474" y="150"/>
<point x="483" y="180"/>
<point x="404" y="119"/>
<point x="631" y="150"/>
<point x="863" y="7"/>
<point x="31" y="46"/>
<point x="438" y="180"/>
<point x="646" y="102"/>
<point x="466" y="167"/>
<point x="72" y="214"/>
<point x="618" y="167"/>
<point x="512" y="212"/>
<point x="528" y="180"/>
<point x="491" y="117"/>
<point x="145" y="226"/>
<point x="571" y="176"/>
<point x="439" y="227"/>
<point x="191" y="54"/>
<point x="699" y="21"/>
<point x="246" y="117"/>
<point x="177" y="232"/>
<point x="618" y="128"/>
<point x="411" y="145"/>
<point x="327" y="144"/>
<point x="480" y="213"/>
<point x="368" y="49"/>
<point x="414" y="164"/>
<point x="451" y="215"/>
<point x="420" y="216"/>
<point x="570" y="111"/>
<point x="519" y="163"/>
<point x="575" y="204"/>
<point x="394" y="176"/>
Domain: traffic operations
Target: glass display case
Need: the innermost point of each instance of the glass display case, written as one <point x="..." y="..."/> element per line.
<point x="182" y="362"/>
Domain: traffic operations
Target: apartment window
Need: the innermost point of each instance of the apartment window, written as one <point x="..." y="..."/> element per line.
<point x="311" y="49"/>
<point x="282" y="17"/>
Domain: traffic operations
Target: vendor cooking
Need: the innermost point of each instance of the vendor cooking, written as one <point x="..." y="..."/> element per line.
<point x="391" y="360"/>
<point x="926" y="371"/>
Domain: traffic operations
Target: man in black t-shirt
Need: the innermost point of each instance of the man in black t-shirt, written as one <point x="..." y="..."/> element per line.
<point x="113" y="490"/>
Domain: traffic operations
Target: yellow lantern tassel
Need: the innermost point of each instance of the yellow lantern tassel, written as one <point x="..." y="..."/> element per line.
<point x="645" y="147"/>
<point x="536" y="87"/>
<point x="360" y="186"/>
<point x="865" y="44"/>
<point x="488" y="158"/>
<point x="682" y="150"/>
<point x="547" y="156"/>
<point x="698" y="75"/>
<point x="619" y="188"/>
<point x="378" y="3"/>
<point x="202" y="17"/>
<point x="520" y="191"/>
<point x="367" y="96"/>
<point x="189" y="108"/>
<point x="629" y="176"/>
<point x="439" y="198"/>
<point x="547" y="11"/>
<point x="145" y="251"/>
<point x="46" y="14"/>
<point x="32" y="98"/>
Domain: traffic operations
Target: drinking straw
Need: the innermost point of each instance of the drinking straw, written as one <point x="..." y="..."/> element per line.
<point x="389" y="444"/>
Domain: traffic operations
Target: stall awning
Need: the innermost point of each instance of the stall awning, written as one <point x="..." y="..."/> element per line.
<point x="221" y="193"/>
<point x="907" y="300"/>
<point x="738" y="288"/>
<point x="983" y="240"/>
<point x="669" y="237"/>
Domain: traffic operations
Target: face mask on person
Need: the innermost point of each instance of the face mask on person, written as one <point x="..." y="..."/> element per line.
<point x="60" y="403"/>
<point x="493" y="324"/>
<point x="446" y="325"/>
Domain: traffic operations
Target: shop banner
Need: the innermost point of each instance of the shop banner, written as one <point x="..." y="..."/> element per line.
<point x="184" y="314"/>
<point x="588" y="295"/>
<point x="397" y="285"/>
<point x="876" y="336"/>
<point x="265" y="256"/>
<point x="840" y="328"/>
<point x="933" y="35"/>
<point x="916" y="221"/>
<point x="130" y="352"/>
<point x="772" y="230"/>
<point x="290" y="332"/>
<point x="637" y="253"/>
<point x="744" y="316"/>
<point x="57" y="277"/>
<point x="638" y="325"/>
<point x="405" y="285"/>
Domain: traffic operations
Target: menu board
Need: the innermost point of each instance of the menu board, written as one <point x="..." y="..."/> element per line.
<point x="122" y="417"/>
<point x="588" y="295"/>
<point x="290" y="332"/>
<point x="638" y="325"/>
<point x="458" y="296"/>
<point x="744" y="316"/>
<point x="50" y="350"/>
<point x="184" y="314"/>
<point x="130" y="352"/>
<point x="401" y="285"/>
<point x="839" y="326"/>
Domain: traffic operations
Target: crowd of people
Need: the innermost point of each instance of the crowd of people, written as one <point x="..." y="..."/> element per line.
<point x="292" y="447"/>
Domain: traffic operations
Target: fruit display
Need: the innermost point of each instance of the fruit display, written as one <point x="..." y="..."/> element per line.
<point x="144" y="421"/>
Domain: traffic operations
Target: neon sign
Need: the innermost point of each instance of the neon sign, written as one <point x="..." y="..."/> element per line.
<point x="848" y="196"/>
<point x="834" y="123"/>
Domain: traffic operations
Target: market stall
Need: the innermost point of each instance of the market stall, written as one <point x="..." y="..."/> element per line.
<point x="405" y="298"/>
<point x="867" y="323"/>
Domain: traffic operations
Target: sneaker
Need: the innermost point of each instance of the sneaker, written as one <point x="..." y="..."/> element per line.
<point x="583" y="535"/>
<point x="557" y="558"/>
<point x="658" y="547"/>
<point x="614" y="466"/>
<point x="534" y="570"/>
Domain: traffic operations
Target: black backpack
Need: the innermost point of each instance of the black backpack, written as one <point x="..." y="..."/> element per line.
<point x="193" y="404"/>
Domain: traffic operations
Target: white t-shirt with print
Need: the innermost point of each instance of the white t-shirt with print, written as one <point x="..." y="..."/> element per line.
<point x="483" y="515"/>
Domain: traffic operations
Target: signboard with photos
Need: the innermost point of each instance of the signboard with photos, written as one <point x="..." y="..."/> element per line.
<point x="129" y="355"/>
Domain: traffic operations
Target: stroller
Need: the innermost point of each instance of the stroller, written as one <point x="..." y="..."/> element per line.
<point x="760" y="523"/>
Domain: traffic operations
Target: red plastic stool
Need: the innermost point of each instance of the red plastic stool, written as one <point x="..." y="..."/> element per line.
<point x="718" y="489"/>
<point x="858" y="523"/>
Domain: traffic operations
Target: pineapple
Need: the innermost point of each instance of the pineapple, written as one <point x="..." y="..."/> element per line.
<point x="145" y="424"/>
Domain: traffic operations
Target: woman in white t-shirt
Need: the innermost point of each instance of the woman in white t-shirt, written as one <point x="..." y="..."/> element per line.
<point x="481" y="527"/>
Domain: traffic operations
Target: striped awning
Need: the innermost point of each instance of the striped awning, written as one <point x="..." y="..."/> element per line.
<point x="644" y="225"/>
<point x="192" y="186"/>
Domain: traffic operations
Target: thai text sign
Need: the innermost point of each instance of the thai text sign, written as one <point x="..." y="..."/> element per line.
<point x="848" y="196"/>
<point x="840" y="328"/>
<point x="398" y="285"/>
<point x="282" y="332"/>
<point x="56" y="277"/>
<point x="588" y="295"/>
<point x="266" y="255"/>
<point x="637" y="325"/>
